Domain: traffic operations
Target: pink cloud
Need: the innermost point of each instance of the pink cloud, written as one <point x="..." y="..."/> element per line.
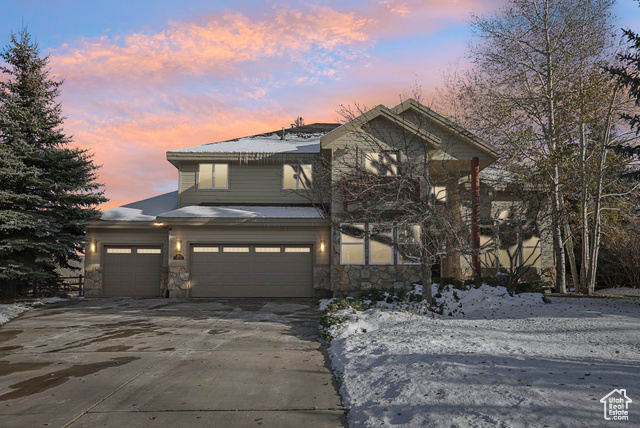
<point x="129" y="100"/>
<point x="213" y="47"/>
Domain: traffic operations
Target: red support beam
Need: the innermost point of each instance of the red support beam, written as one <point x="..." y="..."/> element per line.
<point x="475" y="215"/>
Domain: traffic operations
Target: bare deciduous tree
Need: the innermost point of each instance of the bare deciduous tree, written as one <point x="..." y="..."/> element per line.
<point x="390" y="180"/>
<point x="539" y="92"/>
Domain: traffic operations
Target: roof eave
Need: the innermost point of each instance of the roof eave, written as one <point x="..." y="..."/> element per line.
<point x="459" y="131"/>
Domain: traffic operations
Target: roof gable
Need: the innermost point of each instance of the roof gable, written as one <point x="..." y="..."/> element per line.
<point x="336" y="137"/>
<point x="411" y="105"/>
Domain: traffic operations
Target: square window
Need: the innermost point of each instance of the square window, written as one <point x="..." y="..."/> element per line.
<point x="384" y="164"/>
<point x="213" y="176"/>
<point x="297" y="176"/>
<point x="439" y="193"/>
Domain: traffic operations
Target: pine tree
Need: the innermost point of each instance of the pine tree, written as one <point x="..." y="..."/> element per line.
<point x="48" y="192"/>
<point x="628" y="75"/>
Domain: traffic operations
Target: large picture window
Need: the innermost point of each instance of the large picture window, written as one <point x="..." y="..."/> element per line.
<point x="380" y="241"/>
<point x="528" y="254"/>
<point x="377" y="242"/>
<point x="385" y="163"/>
<point x="213" y="176"/>
<point x="298" y="176"/>
<point x="352" y="244"/>
<point x="409" y="244"/>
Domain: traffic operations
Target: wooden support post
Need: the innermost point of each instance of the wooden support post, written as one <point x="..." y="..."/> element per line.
<point x="475" y="215"/>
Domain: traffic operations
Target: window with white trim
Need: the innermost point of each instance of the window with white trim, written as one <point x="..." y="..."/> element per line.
<point x="384" y="163"/>
<point x="352" y="244"/>
<point x="487" y="251"/>
<point x="409" y="244"/>
<point x="439" y="193"/>
<point x="213" y="176"/>
<point x="380" y="244"/>
<point x="297" y="176"/>
<point x="532" y="252"/>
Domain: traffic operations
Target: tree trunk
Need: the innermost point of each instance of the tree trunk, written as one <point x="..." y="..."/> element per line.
<point x="584" y="212"/>
<point x="572" y="257"/>
<point x="556" y="209"/>
<point x="425" y="273"/>
<point x="602" y="161"/>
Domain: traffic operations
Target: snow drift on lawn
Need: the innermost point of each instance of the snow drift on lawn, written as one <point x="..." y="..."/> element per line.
<point x="500" y="360"/>
<point x="12" y="310"/>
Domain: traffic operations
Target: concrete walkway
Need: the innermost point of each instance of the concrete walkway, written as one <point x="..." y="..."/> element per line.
<point x="167" y="363"/>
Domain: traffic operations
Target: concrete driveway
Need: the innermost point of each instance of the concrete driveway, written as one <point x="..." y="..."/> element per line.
<point x="167" y="363"/>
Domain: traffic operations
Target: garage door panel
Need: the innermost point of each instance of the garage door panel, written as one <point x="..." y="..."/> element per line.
<point x="129" y="273"/>
<point x="251" y="271"/>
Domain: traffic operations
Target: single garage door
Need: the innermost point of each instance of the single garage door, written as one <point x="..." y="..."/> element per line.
<point x="132" y="271"/>
<point x="251" y="271"/>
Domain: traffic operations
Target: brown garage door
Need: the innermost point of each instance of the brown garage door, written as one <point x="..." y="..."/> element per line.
<point x="251" y="271"/>
<point x="132" y="271"/>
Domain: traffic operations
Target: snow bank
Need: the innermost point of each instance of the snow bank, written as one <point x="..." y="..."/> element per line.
<point x="500" y="360"/>
<point x="12" y="310"/>
<point x="620" y="291"/>
<point x="483" y="302"/>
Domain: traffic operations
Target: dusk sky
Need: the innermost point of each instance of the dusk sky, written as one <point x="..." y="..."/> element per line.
<point x="143" y="77"/>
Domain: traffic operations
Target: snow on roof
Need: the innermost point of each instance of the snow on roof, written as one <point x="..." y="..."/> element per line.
<point x="293" y="143"/>
<point x="144" y="210"/>
<point x="197" y="211"/>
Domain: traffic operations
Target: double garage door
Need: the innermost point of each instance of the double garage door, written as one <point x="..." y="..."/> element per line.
<point x="251" y="271"/>
<point x="132" y="271"/>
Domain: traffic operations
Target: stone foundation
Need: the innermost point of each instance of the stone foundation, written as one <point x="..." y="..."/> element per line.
<point x="350" y="279"/>
<point x="93" y="281"/>
<point x="178" y="281"/>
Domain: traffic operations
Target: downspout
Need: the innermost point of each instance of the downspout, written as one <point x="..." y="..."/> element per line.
<point x="475" y="216"/>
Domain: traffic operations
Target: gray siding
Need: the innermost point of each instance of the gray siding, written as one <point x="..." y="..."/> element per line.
<point x="258" y="184"/>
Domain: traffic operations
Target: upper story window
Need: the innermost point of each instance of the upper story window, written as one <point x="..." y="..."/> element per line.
<point x="439" y="193"/>
<point x="213" y="176"/>
<point x="384" y="163"/>
<point x="298" y="176"/>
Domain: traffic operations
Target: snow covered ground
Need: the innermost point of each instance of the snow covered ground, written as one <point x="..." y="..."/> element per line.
<point x="12" y="310"/>
<point x="498" y="361"/>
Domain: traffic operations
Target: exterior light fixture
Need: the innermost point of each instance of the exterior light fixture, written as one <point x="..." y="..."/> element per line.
<point x="322" y="246"/>
<point x="158" y="224"/>
<point x="92" y="246"/>
<point x="178" y="255"/>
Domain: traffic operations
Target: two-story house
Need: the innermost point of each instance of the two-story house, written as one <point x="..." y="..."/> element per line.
<point x="247" y="221"/>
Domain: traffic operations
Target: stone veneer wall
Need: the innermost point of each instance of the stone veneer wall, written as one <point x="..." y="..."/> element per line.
<point x="93" y="281"/>
<point x="178" y="281"/>
<point x="322" y="281"/>
<point x="350" y="279"/>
